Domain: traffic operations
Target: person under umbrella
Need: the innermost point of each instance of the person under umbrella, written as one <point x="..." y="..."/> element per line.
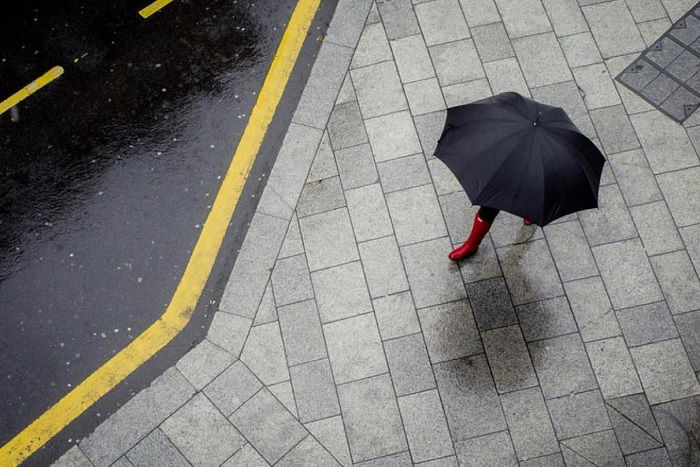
<point x="514" y="154"/>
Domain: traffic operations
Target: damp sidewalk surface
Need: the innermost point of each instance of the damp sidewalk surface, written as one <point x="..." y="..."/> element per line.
<point x="345" y="335"/>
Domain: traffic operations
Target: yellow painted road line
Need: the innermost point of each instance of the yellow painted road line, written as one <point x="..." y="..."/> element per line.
<point x="153" y="7"/>
<point x="30" y="89"/>
<point x="188" y="291"/>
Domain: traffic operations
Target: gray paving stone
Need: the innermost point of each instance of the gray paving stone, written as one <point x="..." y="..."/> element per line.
<point x="232" y="388"/>
<point x="530" y="272"/>
<point x="268" y="426"/>
<point x="491" y="303"/>
<point x="480" y="12"/>
<point x="580" y="49"/>
<point x="677" y="422"/>
<point x="429" y="127"/>
<point x="416" y="215"/>
<point x="201" y="433"/>
<point x="136" y="418"/>
<point x="646" y="324"/>
<point x="441" y="21"/>
<point x="470" y="400"/>
<point x="247" y="456"/>
<point x="689" y="328"/>
<point x="634" y="177"/>
<point x="348" y="20"/>
<point x="122" y="462"/>
<point x="204" y="363"/>
<point x="665" y="143"/>
<point x="372" y="48"/>
<point x="426" y="426"/>
<point x="614" y="129"/>
<point x="346" y="94"/>
<point x="341" y="292"/>
<point x="331" y="434"/>
<point x="482" y="265"/>
<point x="398" y="18"/>
<point x="509" y="360"/>
<point x="329" y="239"/>
<point x="412" y="58"/>
<point x="566" y="17"/>
<point x="508" y="229"/>
<point x="597" y="87"/>
<point x="267" y="312"/>
<point x="657" y="457"/>
<point x="523" y="17"/>
<point x="665" y="371"/>
<point x="450" y="331"/>
<point x="396" y="315"/>
<point x="613" y="28"/>
<point x="634" y="423"/>
<point x="530" y="426"/>
<point x="541" y="59"/>
<point x="424" y="96"/>
<point x="392" y="136"/>
<point x="292" y="244"/>
<point x="464" y="93"/>
<point x="290" y="280"/>
<point x="611" y="222"/>
<point x="154" y="450"/>
<point x="383" y="268"/>
<point x="492" y="42"/>
<point x="397" y="460"/>
<point x="456" y="62"/>
<point x="450" y="461"/>
<point x="578" y="414"/>
<point x="371" y="417"/>
<point x="570" y="250"/>
<point x="552" y="460"/>
<point x="229" y="332"/>
<point x="406" y="172"/>
<point x="356" y="166"/>
<point x="601" y="448"/>
<point x="646" y="10"/>
<point x="345" y="126"/>
<point x="458" y="215"/>
<point x="691" y="238"/>
<point x="652" y="30"/>
<point x="656" y="228"/>
<point x="505" y="75"/>
<point x="409" y="364"/>
<point x="444" y="180"/>
<point x="308" y="452"/>
<point x="567" y="96"/>
<point x="301" y="332"/>
<point x="323" y="85"/>
<point x="562" y="366"/>
<point x="613" y="367"/>
<point x="74" y="457"/>
<point x="264" y="354"/>
<point x="592" y="309"/>
<point x="548" y="318"/>
<point x="314" y="390"/>
<point x="678" y="280"/>
<point x="248" y="279"/>
<point x="378" y="89"/>
<point x="355" y="348"/>
<point x="682" y="193"/>
<point x="492" y="449"/>
<point x="627" y="274"/>
<point x="285" y="394"/>
<point x="368" y="212"/>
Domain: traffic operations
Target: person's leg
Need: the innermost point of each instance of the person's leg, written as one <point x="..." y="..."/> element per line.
<point x="482" y="223"/>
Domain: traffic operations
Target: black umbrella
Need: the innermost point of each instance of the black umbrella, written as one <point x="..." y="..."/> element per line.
<point x="517" y="155"/>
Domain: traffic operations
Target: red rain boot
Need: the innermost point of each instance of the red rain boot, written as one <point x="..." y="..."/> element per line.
<point x="479" y="231"/>
<point x="527" y="221"/>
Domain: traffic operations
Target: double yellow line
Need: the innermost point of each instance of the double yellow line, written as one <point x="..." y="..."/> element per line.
<point x="191" y="285"/>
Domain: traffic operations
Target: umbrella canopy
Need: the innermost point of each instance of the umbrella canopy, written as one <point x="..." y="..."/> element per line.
<point x="517" y="155"/>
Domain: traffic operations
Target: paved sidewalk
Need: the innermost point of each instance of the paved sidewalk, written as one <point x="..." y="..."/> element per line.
<point x="346" y="336"/>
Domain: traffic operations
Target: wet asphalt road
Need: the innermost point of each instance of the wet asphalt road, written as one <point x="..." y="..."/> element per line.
<point x="107" y="174"/>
